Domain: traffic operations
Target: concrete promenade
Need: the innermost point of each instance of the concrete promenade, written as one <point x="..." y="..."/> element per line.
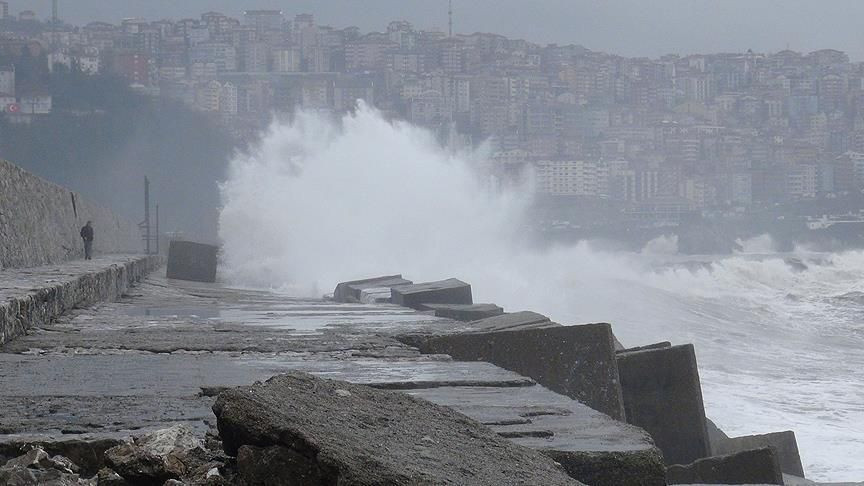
<point x="158" y="356"/>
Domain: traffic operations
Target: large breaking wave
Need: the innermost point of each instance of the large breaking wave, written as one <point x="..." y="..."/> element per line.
<point x="778" y="336"/>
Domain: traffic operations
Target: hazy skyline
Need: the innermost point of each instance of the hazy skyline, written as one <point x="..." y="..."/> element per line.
<point x="626" y="27"/>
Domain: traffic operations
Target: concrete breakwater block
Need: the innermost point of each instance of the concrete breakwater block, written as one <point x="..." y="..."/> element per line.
<point x="511" y="322"/>
<point x="450" y="291"/>
<point x="663" y="395"/>
<point x="784" y="445"/>
<point x="464" y="312"/>
<point x="192" y="261"/>
<point x="311" y="431"/>
<point x="758" y="466"/>
<point x="351" y="292"/>
<point x="592" y="447"/>
<point x="576" y="361"/>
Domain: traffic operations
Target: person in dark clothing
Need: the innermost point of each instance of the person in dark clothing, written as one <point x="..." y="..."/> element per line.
<point x="87" y="236"/>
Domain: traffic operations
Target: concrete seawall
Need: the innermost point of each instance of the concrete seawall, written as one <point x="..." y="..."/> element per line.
<point x="40" y="221"/>
<point x="35" y="296"/>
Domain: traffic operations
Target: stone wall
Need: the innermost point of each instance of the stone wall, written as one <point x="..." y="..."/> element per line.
<point x="40" y="222"/>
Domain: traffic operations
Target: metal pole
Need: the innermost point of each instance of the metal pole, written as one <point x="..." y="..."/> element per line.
<point x="147" y="215"/>
<point x="157" y="230"/>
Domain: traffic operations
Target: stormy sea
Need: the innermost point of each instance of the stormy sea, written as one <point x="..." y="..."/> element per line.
<point x="778" y="336"/>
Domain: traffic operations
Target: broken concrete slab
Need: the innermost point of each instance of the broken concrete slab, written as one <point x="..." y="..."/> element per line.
<point x="196" y="262"/>
<point x="662" y="394"/>
<point x="591" y="446"/>
<point x="784" y="445"/>
<point x="464" y="312"/>
<point x="450" y="291"/>
<point x="576" y="361"/>
<point x="758" y="466"/>
<point x="356" y="435"/>
<point x="350" y="292"/>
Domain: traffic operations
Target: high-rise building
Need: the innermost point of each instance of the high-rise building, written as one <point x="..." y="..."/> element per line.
<point x="4" y="10"/>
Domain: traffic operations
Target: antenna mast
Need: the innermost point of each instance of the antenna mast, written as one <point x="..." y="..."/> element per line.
<point x="54" y="21"/>
<point x="450" y="13"/>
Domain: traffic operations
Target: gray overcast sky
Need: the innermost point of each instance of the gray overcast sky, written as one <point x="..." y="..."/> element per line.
<point x="627" y="27"/>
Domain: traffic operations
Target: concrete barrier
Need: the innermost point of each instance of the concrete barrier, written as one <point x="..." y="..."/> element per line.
<point x="450" y="291"/>
<point x="758" y="466"/>
<point x="196" y="262"/>
<point x="23" y="305"/>
<point x="662" y="394"/>
<point x="40" y="222"/>
<point x="576" y="361"/>
<point x="352" y="291"/>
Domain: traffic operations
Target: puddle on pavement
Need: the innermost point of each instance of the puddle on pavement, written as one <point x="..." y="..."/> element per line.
<point x="199" y="312"/>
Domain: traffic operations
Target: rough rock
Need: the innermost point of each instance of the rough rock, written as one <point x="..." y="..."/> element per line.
<point x="36" y="467"/>
<point x="450" y="291"/>
<point x="758" y="466"/>
<point x="171" y="453"/>
<point x="192" y="261"/>
<point x="331" y="432"/>
<point x="663" y="395"/>
<point x="576" y="361"/>
<point x="108" y="477"/>
<point x="87" y="454"/>
<point x="351" y="292"/>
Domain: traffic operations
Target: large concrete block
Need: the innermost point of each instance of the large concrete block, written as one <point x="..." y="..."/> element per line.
<point x="576" y="361"/>
<point x="352" y="291"/>
<point x="464" y="312"/>
<point x="758" y="466"/>
<point x="450" y="291"/>
<point x="662" y="394"/>
<point x="784" y="445"/>
<point x="192" y="261"/>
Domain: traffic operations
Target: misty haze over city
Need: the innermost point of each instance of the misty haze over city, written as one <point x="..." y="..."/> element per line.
<point x="197" y="195"/>
<point x="625" y="27"/>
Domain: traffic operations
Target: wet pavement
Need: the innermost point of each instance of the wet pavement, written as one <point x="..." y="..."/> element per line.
<point x="159" y="355"/>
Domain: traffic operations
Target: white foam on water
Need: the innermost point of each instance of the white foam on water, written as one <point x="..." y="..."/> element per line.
<point x="779" y="344"/>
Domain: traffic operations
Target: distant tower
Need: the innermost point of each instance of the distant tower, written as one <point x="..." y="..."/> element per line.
<point x="54" y="21"/>
<point x="449" y="12"/>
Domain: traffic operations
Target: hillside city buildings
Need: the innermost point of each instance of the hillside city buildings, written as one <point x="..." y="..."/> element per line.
<point x="666" y="136"/>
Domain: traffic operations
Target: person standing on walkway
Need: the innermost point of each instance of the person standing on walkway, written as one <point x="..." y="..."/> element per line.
<point x="87" y="236"/>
